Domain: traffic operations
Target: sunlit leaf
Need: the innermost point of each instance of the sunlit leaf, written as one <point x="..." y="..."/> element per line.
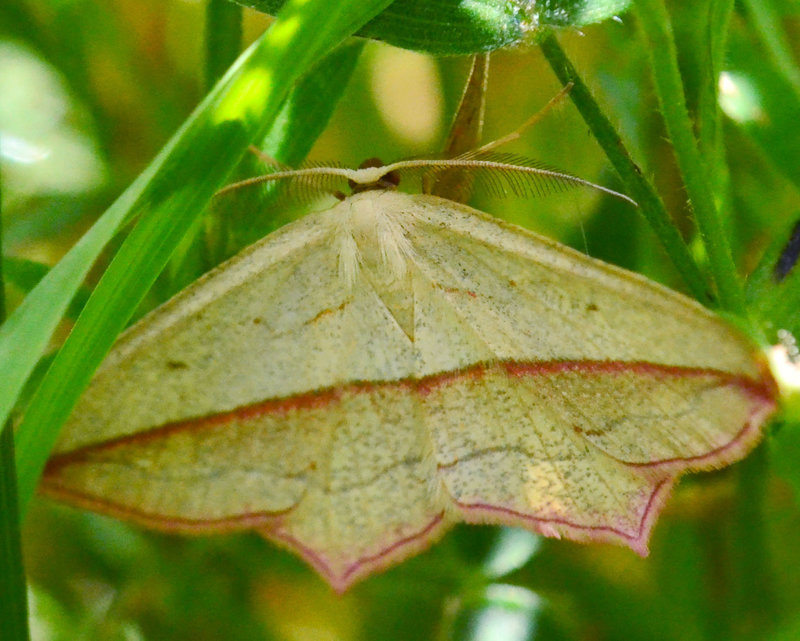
<point x="447" y="27"/>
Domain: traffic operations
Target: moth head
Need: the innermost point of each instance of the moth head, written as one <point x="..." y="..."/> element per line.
<point x="378" y="179"/>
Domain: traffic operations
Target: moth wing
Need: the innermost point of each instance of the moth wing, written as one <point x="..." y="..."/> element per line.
<point x="245" y="401"/>
<point x="601" y="389"/>
<point x="275" y="321"/>
<point x="352" y="414"/>
<point x="657" y="374"/>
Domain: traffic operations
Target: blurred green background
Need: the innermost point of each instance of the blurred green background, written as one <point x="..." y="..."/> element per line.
<point x="89" y="92"/>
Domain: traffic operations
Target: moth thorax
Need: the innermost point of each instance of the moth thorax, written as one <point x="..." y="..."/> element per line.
<point x="380" y="235"/>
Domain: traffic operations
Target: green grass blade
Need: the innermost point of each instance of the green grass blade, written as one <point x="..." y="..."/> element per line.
<point x="657" y="31"/>
<point x="223" y="38"/>
<point x="302" y="118"/>
<point x="13" y="591"/>
<point x="13" y="594"/>
<point x="709" y="124"/>
<point x="173" y="191"/>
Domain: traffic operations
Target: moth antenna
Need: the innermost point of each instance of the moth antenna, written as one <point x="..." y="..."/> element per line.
<point x="309" y="181"/>
<point x="504" y="173"/>
<point x="456" y="181"/>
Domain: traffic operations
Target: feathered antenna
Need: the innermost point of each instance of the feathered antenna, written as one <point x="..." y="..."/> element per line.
<point x="304" y="183"/>
<point x="500" y="174"/>
<point x="503" y="174"/>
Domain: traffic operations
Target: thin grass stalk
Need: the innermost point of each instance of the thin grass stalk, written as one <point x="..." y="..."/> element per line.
<point x="636" y="185"/>
<point x="660" y="43"/>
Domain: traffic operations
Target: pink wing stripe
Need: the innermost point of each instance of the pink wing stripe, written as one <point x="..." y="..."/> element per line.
<point x="762" y="391"/>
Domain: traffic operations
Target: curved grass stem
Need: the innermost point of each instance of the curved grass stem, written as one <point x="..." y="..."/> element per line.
<point x="637" y="186"/>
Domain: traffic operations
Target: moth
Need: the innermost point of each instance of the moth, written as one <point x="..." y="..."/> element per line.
<point x="363" y="378"/>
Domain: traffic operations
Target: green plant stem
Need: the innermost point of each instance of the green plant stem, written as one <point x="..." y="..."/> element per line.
<point x="637" y="186"/>
<point x="13" y="592"/>
<point x="657" y="30"/>
<point x="223" y="38"/>
<point x="708" y="112"/>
